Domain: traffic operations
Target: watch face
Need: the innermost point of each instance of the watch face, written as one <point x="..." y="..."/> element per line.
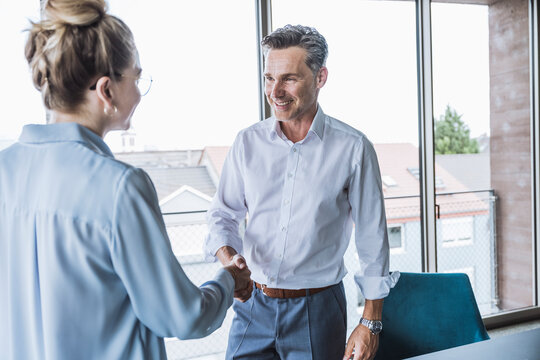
<point x="377" y="327"/>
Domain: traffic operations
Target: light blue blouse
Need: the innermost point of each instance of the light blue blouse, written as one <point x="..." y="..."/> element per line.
<point x="86" y="267"/>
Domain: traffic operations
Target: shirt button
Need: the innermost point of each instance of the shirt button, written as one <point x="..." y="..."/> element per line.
<point x="294" y="150"/>
<point x="286" y="201"/>
<point x="283" y="228"/>
<point x="289" y="175"/>
<point x="272" y="279"/>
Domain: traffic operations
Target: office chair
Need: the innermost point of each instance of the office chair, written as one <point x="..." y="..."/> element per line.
<point x="428" y="312"/>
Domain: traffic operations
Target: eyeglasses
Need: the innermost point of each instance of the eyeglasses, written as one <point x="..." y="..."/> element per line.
<point x="143" y="82"/>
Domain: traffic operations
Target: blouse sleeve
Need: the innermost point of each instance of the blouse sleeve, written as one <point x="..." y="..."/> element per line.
<point x="162" y="296"/>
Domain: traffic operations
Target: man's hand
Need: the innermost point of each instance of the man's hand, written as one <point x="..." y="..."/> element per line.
<point x="236" y="265"/>
<point x="363" y="342"/>
<point x="242" y="276"/>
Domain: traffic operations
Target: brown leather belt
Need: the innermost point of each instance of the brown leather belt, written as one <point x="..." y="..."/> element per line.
<point x="287" y="293"/>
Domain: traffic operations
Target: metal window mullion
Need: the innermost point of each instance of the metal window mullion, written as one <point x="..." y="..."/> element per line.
<point x="535" y="147"/>
<point x="426" y="137"/>
<point x="41" y="11"/>
<point x="263" y="13"/>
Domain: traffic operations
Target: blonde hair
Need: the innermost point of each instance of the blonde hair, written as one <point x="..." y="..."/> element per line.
<point x="75" y="42"/>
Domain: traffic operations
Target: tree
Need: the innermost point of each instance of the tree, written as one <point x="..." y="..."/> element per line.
<point x="452" y="135"/>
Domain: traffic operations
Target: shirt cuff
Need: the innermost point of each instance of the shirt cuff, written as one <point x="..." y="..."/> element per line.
<point x="225" y="282"/>
<point x="213" y="244"/>
<point x="376" y="287"/>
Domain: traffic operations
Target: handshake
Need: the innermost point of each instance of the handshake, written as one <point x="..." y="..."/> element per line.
<point x="243" y="285"/>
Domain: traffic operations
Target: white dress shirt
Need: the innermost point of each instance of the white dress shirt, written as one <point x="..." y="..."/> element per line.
<point x="302" y="199"/>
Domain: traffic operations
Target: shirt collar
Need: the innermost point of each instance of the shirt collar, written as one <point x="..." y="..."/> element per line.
<point x="317" y="126"/>
<point x="65" y="132"/>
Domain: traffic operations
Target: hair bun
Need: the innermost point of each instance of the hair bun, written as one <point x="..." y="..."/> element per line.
<point x="77" y="13"/>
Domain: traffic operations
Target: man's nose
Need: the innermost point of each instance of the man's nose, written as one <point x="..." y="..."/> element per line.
<point x="277" y="90"/>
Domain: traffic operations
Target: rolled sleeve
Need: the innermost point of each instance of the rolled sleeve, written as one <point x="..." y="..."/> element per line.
<point x="367" y="206"/>
<point x="376" y="287"/>
<point x="228" y="208"/>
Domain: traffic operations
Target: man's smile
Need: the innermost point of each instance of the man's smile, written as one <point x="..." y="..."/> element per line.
<point x="282" y="103"/>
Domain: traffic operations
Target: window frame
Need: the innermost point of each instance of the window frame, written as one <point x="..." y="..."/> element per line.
<point x="426" y="141"/>
<point x="428" y="216"/>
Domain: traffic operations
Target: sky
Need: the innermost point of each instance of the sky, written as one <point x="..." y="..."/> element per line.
<point x="204" y="67"/>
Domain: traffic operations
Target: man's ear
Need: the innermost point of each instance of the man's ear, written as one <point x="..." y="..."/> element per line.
<point x="322" y="76"/>
<point x="104" y="92"/>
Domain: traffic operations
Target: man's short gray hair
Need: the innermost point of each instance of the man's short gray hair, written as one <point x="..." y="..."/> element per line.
<point x="306" y="37"/>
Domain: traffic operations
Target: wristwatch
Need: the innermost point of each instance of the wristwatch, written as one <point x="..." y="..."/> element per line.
<point x="375" y="326"/>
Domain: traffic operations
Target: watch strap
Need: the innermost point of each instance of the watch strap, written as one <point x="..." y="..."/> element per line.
<point x="374" y="326"/>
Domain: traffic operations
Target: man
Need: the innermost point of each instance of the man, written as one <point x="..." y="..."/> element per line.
<point x="303" y="178"/>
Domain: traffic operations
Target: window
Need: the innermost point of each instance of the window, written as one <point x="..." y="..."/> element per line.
<point x="481" y="76"/>
<point x="372" y="86"/>
<point x="457" y="232"/>
<point x="481" y="97"/>
<point x="439" y="182"/>
<point x="388" y="181"/>
<point x="395" y="238"/>
<point x="20" y="102"/>
<point x="205" y="90"/>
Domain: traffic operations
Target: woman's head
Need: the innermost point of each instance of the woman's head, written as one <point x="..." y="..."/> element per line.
<point x="74" y="45"/>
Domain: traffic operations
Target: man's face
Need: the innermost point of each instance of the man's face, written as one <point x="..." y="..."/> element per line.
<point x="291" y="87"/>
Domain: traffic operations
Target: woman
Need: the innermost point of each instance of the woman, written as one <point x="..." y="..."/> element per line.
<point x="86" y="268"/>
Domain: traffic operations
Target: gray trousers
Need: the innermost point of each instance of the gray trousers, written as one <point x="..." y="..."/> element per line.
<point x="312" y="327"/>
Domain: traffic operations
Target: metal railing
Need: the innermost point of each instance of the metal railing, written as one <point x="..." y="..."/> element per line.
<point x="466" y="242"/>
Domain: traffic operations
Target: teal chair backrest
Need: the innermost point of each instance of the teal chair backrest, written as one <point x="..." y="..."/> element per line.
<point x="428" y="312"/>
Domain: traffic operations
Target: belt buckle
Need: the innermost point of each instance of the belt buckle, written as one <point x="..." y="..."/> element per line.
<point x="263" y="287"/>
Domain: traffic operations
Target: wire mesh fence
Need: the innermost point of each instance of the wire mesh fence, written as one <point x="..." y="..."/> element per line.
<point x="187" y="244"/>
<point x="465" y="242"/>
